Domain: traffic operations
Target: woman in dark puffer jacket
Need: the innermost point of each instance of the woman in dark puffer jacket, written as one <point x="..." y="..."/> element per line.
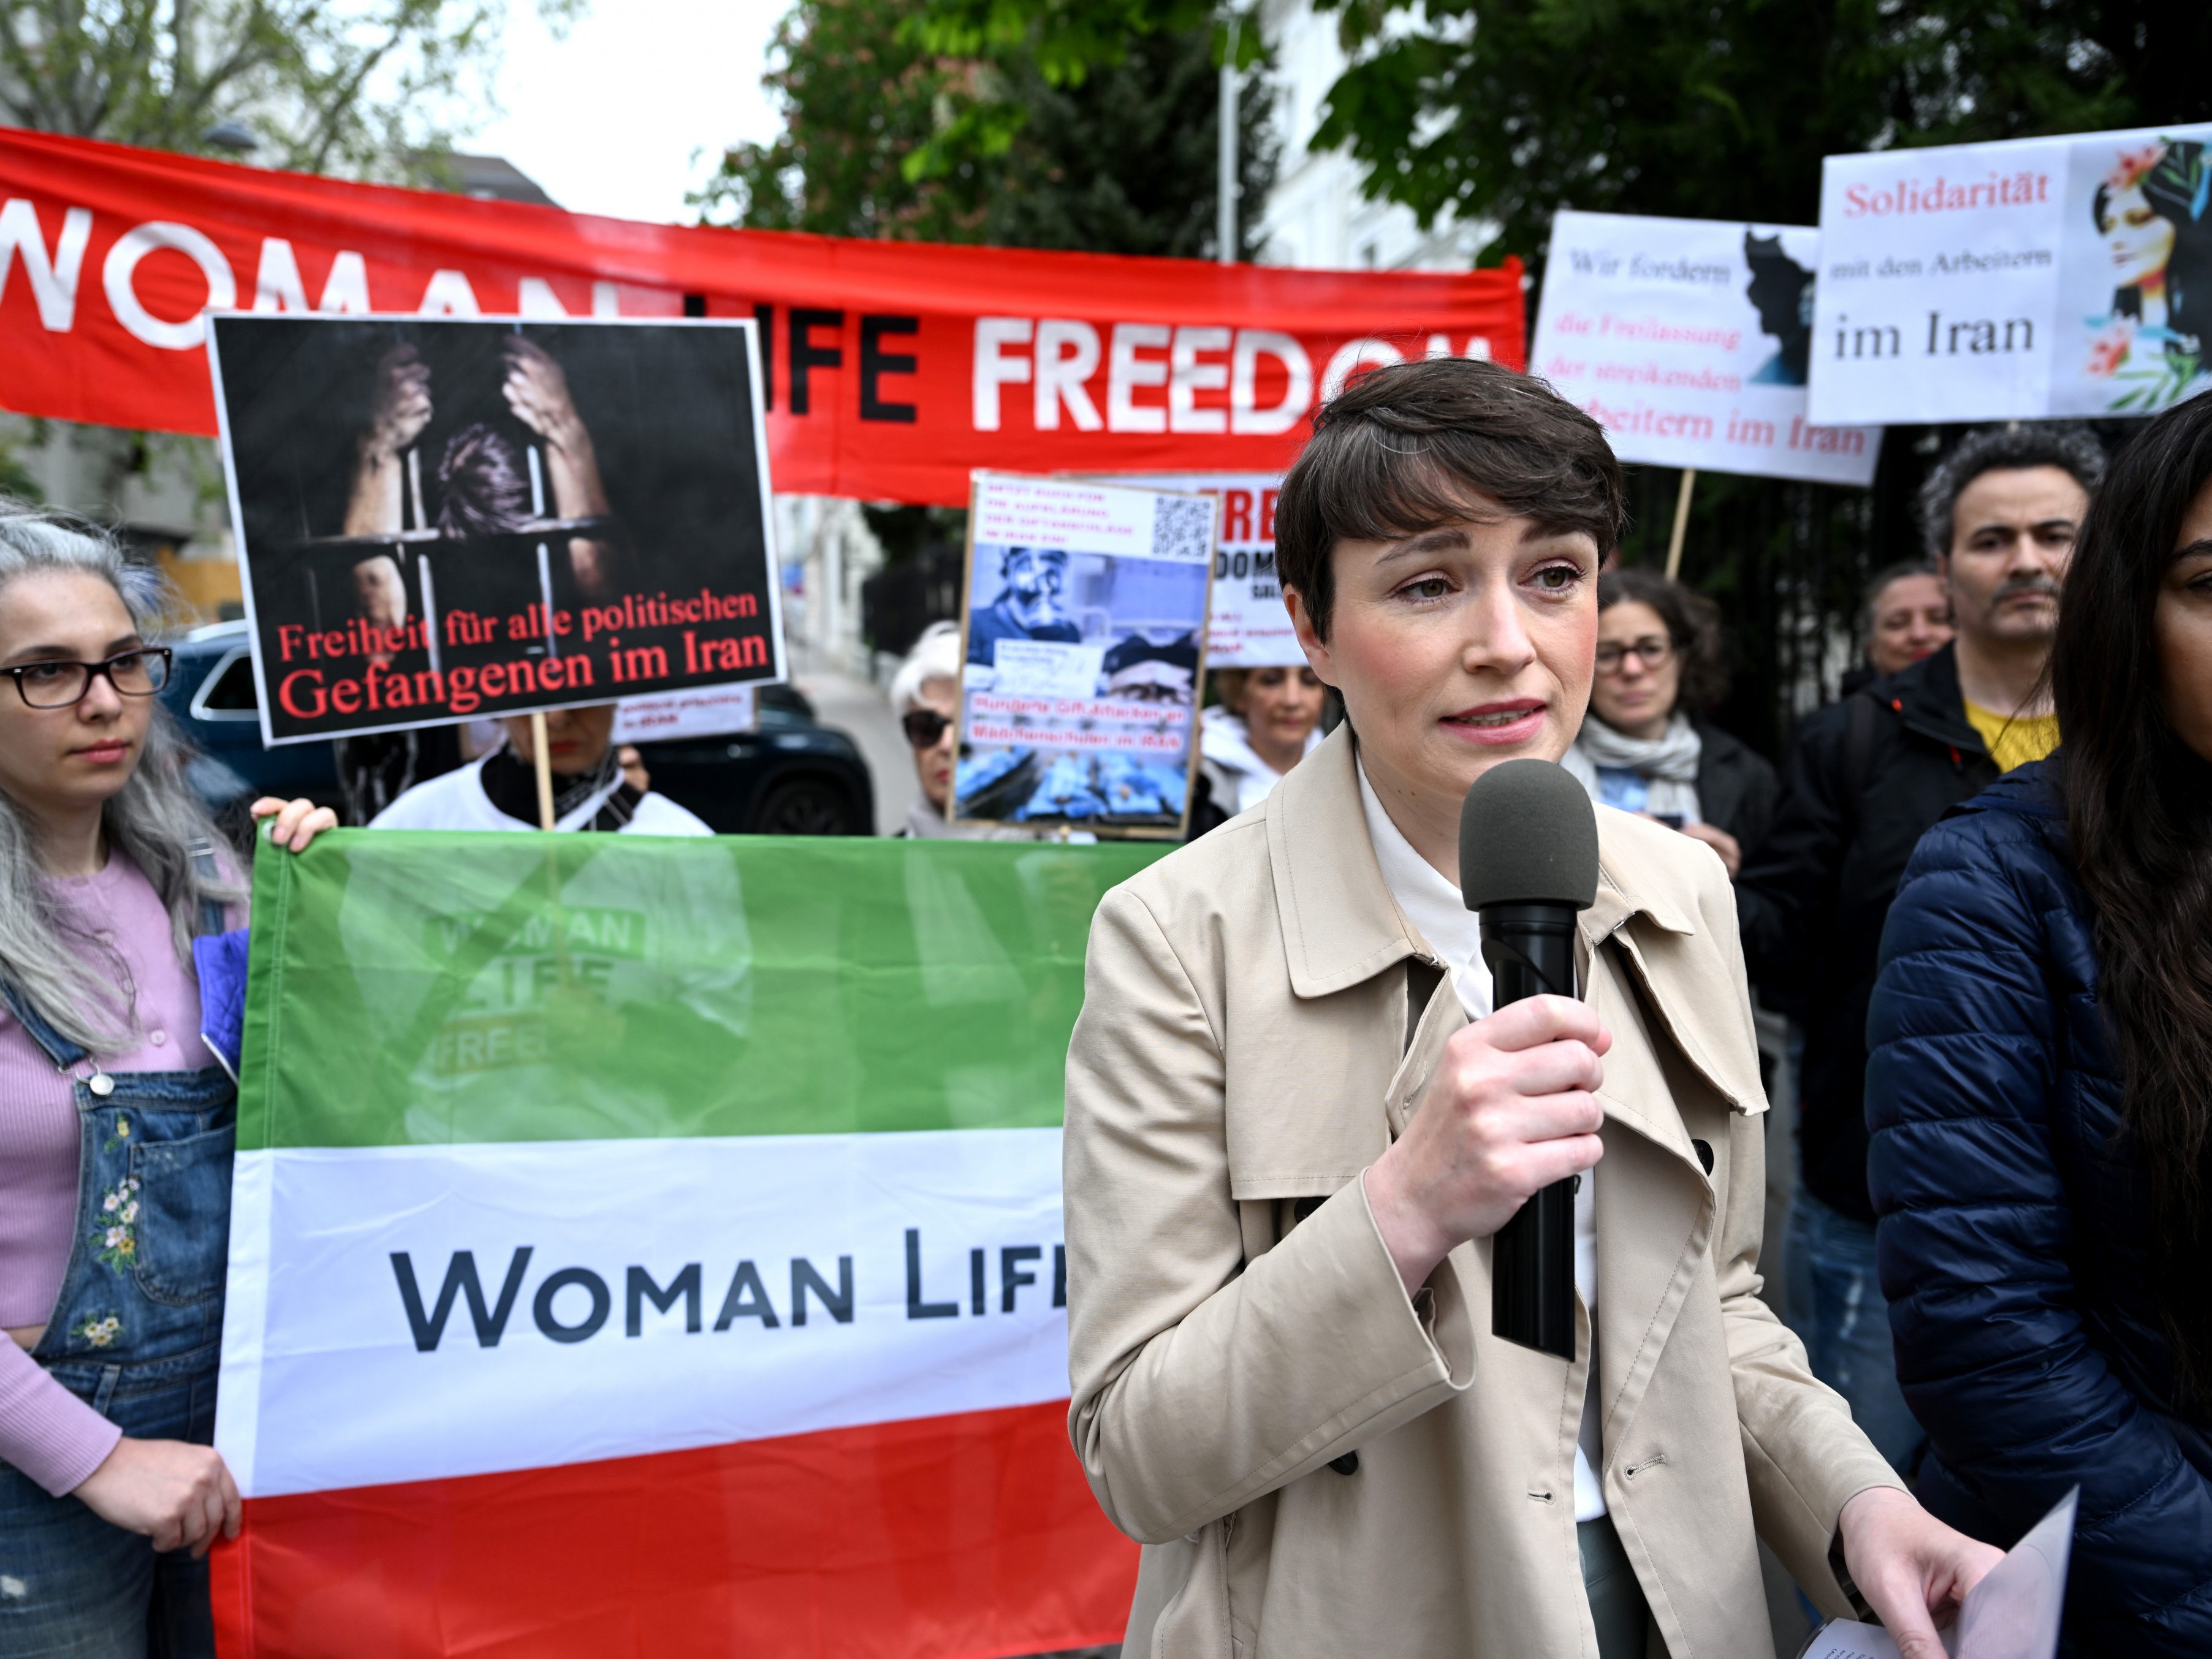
<point x="2040" y="1090"/>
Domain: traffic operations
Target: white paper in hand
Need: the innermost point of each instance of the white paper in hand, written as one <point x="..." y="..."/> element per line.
<point x="2012" y="1613"/>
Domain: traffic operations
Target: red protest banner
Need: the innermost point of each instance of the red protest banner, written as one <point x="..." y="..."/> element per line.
<point x="892" y="368"/>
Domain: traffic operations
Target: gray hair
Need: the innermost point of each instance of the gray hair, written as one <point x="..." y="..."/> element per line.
<point x="2063" y="443"/>
<point x="154" y="820"/>
<point x="935" y="656"/>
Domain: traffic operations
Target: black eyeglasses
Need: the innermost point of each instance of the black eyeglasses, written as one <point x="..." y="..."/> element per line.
<point x="925" y="728"/>
<point x="1651" y="651"/>
<point x="137" y="673"/>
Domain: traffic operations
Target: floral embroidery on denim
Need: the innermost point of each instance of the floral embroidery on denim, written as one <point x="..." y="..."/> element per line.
<point x="99" y="1333"/>
<point x="115" y="1235"/>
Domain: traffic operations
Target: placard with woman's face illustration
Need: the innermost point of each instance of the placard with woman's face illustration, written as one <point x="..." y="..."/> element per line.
<point x="2034" y="278"/>
<point x="2146" y="288"/>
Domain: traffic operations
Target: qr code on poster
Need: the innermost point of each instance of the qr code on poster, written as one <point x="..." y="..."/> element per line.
<point x="1182" y="528"/>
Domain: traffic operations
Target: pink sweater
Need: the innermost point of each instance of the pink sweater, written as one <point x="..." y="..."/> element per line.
<point x="46" y="1431"/>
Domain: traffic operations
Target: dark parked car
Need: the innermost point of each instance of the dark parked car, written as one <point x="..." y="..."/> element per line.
<point x="789" y="776"/>
<point x="211" y="693"/>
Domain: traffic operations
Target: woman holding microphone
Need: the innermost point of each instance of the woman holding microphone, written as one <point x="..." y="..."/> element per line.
<point x="1293" y="1125"/>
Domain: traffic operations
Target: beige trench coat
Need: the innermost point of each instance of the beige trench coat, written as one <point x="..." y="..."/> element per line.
<point x="1259" y="1020"/>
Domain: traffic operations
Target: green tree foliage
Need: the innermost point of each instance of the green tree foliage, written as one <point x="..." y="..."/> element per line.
<point x="1065" y="38"/>
<point x="1120" y="159"/>
<point x="1504" y="111"/>
<point x="371" y="87"/>
<point x="1724" y="108"/>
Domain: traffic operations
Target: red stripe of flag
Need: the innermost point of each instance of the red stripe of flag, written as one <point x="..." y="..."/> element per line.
<point x="960" y="1537"/>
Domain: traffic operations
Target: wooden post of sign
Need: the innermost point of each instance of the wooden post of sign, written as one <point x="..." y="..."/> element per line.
<point x="1681" y="523"/>
<point x="541" y="749"/>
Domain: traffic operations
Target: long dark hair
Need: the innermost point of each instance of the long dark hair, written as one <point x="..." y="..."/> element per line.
<point x="2139" y="809"/>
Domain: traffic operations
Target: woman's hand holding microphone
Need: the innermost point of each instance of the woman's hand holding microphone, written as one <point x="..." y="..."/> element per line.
<point x="1512" y="1109"/>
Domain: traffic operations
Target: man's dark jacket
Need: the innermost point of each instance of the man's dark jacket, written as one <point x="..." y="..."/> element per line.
<point x="2014" y="1239"/>
<point x="1867" y="777"/>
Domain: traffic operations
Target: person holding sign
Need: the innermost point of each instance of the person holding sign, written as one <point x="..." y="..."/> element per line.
<point x="2038" y="1089"/>
<point x="1293" y="1123"/>
<point x="500" y="791"/>
<point x="115" y="1114"/>
<point x="1868" y="778"/>
<point x="925" y="696"/>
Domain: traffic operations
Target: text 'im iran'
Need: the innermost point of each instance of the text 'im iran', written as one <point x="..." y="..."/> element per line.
<point x="1020" y="1266"/>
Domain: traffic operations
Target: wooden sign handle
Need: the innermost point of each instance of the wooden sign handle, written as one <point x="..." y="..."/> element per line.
<point x="541" y="750"/>
<point x="1681" y="523"/>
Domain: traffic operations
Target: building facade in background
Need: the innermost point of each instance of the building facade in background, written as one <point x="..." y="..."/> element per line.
<point x="1317" y="218"/>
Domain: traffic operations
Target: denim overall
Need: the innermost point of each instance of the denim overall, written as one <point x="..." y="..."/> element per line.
<point x="135" y="1333"/>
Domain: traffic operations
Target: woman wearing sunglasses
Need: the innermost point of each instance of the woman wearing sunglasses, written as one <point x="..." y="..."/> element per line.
<point x="116" y="1119"/>
<point x="926" y="697"/>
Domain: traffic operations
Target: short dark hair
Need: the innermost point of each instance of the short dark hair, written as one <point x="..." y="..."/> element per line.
<point x="2018" y="444"/>
<point x="1693" y="623"/>
<point x="1407" y="447"/>
<point x="1878" y="584"/>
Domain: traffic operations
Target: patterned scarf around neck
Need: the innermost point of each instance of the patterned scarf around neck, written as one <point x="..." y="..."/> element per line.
<point x="511" y="782"/>
<point x="1667" y="764"/>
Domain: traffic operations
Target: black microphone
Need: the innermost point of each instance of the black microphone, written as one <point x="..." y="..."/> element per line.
<point x="1527" y="863"/>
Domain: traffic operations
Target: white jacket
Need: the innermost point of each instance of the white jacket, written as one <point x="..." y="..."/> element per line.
<point x="1239" y="778"/>
<point x="457" y="801"/>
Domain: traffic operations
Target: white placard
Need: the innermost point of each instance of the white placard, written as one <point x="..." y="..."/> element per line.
<point x="1246" y="625"/>
<point x="2034" y="278"/>
<point x="705" y="713"/>
<point x="1688" y="339"/>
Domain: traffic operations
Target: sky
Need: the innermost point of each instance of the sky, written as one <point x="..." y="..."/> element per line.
<point x="635" y="106"/>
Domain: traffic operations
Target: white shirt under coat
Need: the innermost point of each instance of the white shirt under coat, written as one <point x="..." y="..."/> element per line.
<point x="1454" y="932"/>
<point x="456" y="801"/>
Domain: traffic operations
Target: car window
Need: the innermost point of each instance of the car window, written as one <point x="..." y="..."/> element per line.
<point x="232" y="686"/>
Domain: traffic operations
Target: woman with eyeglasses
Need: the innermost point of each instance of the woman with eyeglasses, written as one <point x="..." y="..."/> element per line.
<point x="1642" y="747"/>
<point x="926" y="697"/>
<point x="116" y="1116"/>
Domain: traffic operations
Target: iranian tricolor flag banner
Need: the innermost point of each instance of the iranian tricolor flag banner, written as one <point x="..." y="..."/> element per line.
<point x="649" y="1247"/>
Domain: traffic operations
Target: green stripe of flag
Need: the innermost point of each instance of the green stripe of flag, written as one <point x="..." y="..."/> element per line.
<point x="436" y="989"/>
